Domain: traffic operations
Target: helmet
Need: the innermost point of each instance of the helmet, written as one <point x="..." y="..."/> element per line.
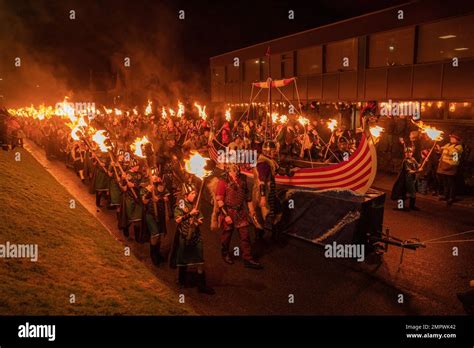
<point x="268" y="148"/>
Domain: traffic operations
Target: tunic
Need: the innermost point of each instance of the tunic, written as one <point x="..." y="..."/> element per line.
<point x="189" y="241"/>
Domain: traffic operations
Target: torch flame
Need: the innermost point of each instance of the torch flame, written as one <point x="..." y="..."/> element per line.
<point x="275" y="117"/>
<point x="163" y="113"/>
<point x="303" y="120"/>
<point x="148" y="108"/>
<point x="118" y="112"/>
<point x="227" y="115"/>
<point x="202" y="110"/>
<point x="137" y="146"/>
<point x="332" y="124"/>
<point x="376" y="131"/>
<point x="195" y="165"/>
<point x="180" y="109"/>
<point x="99" y="138"/>
<point x="283" y="119"/>
<point x="172" y="113"/>
<point x="431" y="132"/>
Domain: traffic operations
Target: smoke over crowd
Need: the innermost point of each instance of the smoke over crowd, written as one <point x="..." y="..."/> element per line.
<point x="82" y="49"/>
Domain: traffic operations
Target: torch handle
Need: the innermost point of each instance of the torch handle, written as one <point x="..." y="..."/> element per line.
<point x="426" y="158"/>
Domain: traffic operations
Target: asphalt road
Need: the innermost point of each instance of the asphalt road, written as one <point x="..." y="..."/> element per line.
<point x="429" y="279"/>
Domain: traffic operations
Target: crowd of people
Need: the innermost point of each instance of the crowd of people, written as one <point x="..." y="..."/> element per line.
<point x="153" y="191"/>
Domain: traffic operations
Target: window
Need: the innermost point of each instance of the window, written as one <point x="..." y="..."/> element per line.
<point x="218" y="74"/>
<point x="391" y="48"/>
<point x="341" y="55"/>
<point x="446" y="39"/>
<point x="461" y="111"/>
<point x="233" y="73"/>
<point x="432" y="110"/>
<point x="252" y="70"/>
<point x="309" y="61"/>
<point x="287" y="65"/>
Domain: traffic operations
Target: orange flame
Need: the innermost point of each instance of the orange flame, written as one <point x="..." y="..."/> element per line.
<point x="431" y="132"/>
<point x="376" y="131"/>
<point x="99" y="138"/>
<point x="303" y="120"/>
<point x="195" y="165"/>
<point x="148" y="108"/>
<point x="180" y="109"/>
<point x="332" y="124"/>
<point x="137" y="146"/>
<point x="202" y="110"/>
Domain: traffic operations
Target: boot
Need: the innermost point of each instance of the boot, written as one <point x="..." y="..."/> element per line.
<point x="253" y="264"/>
<point x="97" y="199"/>
<point x="202" y="285"/>
<point x="155" y="254"/>
<point x="181" y="276"/>
<point x="412" y="204"/>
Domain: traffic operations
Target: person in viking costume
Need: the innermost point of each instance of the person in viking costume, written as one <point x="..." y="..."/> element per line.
<point x="131" y="206"/>
<point x="100" y="178"/>
<point x="188" y="241"/>
<point x="264" y="188"/>
<point x="231" y="200"/>
<point x="154" y="198"/>
<point x="115" y="193"/>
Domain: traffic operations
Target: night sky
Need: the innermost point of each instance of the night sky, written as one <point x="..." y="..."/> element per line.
<point x="162" y="48"/>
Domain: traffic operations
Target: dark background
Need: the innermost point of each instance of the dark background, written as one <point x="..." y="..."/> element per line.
<point x="59" y="55"/>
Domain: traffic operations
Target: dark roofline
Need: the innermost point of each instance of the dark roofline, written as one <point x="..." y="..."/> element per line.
<point x="317" y="28"/>
<point x="426" y="11"/>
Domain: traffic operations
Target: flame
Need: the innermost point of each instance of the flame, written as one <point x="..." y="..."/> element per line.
<point x="171" y="111"/>
<point x="66" y="109"/>
<point x="118" y="112"/>
<point x="74" y="132"/>
<point x="180" y="109"/>
<point x="275" y="117"/>
<point x="195" y="165"/>
<point x="108" y="111"/>
<point x="163" y="113"/>
<point x="303" y="120"/>
<point x="376" y="131"/>
<point x="431" y="132"/>
<point x="283" y="119"/>
<point x="99" y="138"/>
<point x="332" y="124"/>
<point x="228" y="116"/>
<point x="135" y="112"/>
<point x="202" y="110"/>
<point x="137" y="146"/>
<point x="148" y="108"/>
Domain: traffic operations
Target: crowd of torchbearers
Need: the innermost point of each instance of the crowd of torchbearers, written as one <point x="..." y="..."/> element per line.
<point x="136" y="164"/>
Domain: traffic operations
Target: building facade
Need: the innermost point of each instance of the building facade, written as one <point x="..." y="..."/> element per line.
<point x="419" y="52"/>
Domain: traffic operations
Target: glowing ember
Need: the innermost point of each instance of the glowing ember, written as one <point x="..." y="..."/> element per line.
<point x="376" y="131"/>
<point x="118" y="112"/>
<point x="99" y="138"/>
<point x="148" y="108"/>
<point x="332" y="124"/>
<point x="195" y="165"/>
<point x="137" y="146"/>
<point x="202" y="110"/>
<point x="303" y="120"/>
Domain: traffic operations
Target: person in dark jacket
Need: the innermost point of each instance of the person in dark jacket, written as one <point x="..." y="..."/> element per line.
<point x="405" y="185"/>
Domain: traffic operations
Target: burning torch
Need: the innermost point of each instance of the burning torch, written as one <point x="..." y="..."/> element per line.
<point x="196" y="165"/>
